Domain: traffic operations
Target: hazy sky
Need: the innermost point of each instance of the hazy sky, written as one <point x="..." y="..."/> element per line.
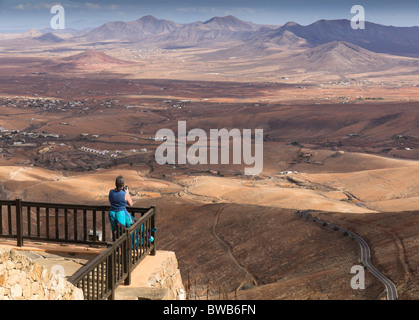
<point x="20" y="15"/>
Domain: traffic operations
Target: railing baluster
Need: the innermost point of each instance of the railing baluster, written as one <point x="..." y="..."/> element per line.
<point x="97" y="291"/>
<point x="47" y="221"/>
<point x="128" y="258"/>
<point x="94" y="225"/>
<point x="19" y="222"/>
<point x="146" y="234"/>
<point x="99" y="281"/>
<point x="147" y="231"/>
<point x="83" y="284"/>
<point x="111" y="274"/>
<point x="92" y="285"/>
<point x="57" y="233"/>
<point x="105" y="278"/>
<point x="102" y="280"/>
<point x="9" y="214"/>
<point x="117" y="263"/>
<point x="75" y="224"/>
<point x="143" y="248"/>
<point x="28" y="212"/>
<point x="139" y="243"/>
<point x="84" y="225"/>
<point x="153" y="227"/>
<point x="103" y="226"/>
<point x="66" y="224"/>
<point x="89" y="286"/>
<point x="38" y="222"/>
<point x="133" y="238"/>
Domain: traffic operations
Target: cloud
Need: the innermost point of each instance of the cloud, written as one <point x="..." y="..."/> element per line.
<point x="90" y="5"/>
<point x="49" y="5"/>
<point x="217" y="10"/>
<point x="42" y="6"/>
<point x="19" y="7"/>
<point x="31" y="6"/>
<point x="197" y="9"/>
<point x="112" y="7"/>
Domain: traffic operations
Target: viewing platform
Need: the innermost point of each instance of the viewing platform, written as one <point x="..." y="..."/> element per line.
<point x="60" y="238"/>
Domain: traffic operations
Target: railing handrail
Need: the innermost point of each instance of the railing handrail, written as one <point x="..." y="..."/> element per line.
<point x="5" y="202"/>
<point x="69" y="206"/>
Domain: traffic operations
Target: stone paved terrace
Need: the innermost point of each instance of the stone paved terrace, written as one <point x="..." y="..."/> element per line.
<point x="155" y="278"/>
<point x="70" y="257"/>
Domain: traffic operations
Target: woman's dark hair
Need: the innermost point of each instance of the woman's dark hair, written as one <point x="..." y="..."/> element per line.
<point x="119" y="183"/>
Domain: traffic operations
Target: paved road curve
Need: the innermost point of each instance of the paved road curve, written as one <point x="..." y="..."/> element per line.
<point x="365" y="257"/>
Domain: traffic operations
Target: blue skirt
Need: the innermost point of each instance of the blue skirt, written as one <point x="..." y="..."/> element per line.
<point x="124" y="218"/>
<point x="120" y="217"/>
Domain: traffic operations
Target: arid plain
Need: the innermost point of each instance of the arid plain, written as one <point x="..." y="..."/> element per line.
<point x="342" y="142"/>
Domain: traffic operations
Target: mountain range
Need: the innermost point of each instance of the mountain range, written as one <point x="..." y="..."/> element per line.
<point x="49" y="37"/>
<point x="375" y="37"/>
<point x="330" y="46"/>
<point x="217" y="28"/>
<point x="402" y="41"/>
<point x="344" y="57"/>
<point x="132" y="31"/>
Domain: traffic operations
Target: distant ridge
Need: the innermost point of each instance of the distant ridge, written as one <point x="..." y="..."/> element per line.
<point x="289" y="40"/>
<point x="134" y="30"/>
<point x="94" y="57"/>
<point x="342" y="57"/>
<point x="231" y="23"/>
<point x="59" y="31"/>
<point x="49" y="37"/>
<point x="32" y="33"/>
<point x="375" y="37"/>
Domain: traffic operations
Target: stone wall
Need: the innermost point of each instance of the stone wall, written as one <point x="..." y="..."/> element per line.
<point x="22" y="279"/>
<point x="155" y="278"/>
<point x="167" y="275"/>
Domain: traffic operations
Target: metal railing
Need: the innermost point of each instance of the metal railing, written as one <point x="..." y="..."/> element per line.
<point x="82" y="224"/>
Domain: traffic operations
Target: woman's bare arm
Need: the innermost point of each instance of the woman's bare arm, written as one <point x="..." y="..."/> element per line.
<point x="128" y="198"/>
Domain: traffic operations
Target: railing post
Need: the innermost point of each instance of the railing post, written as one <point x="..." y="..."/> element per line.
<point x="127" y="253"/>
<point x="19" y="223"/>
<point x="111" y="273"/>
<point x="153" y="225"/>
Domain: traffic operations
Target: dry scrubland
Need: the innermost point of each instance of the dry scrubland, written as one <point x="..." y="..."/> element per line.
<point x="247" y="235"/>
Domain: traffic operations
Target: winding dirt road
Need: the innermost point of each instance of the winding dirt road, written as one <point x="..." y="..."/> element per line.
<point x="248" y="276"/>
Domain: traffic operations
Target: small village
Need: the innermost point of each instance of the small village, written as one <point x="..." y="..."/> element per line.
<point x="49" y="149"/>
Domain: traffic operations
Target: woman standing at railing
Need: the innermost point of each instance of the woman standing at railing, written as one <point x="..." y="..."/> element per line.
<point x="119" y="198"/>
